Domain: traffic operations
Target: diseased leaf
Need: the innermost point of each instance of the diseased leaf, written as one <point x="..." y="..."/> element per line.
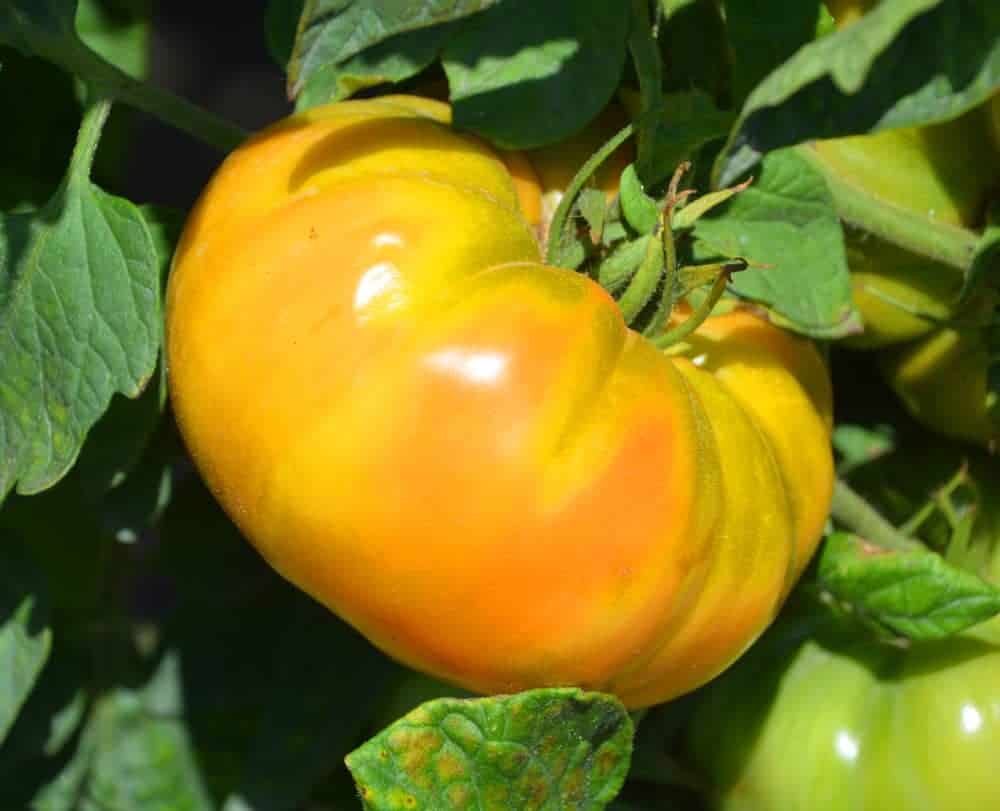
<point x="332" y="31"/>
<point x="905" y="63"/>
<point x="25" y="637"/>
<point x="786" y="221"/>
<point x="914" y="593"/>
<point x="549" y="749"/>
<point x="526" y="74"/>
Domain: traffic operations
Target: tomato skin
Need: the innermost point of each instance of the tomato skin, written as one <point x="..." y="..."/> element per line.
<point x="942" y="380"/>
<point x="465" y="453"/>
<point x="836" y="721"/>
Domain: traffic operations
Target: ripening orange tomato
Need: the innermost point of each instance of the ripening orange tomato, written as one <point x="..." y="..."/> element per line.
<point x="466" y="453"/>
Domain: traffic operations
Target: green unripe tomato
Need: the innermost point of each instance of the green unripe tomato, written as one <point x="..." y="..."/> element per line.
<point x="942" y="381"/>
<point x="943" y="172"/>
<point x="842" y="723"/>
<point x="900" y="295"/>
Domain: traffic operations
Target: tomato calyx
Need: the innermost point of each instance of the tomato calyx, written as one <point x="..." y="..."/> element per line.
<point x="634" y="246"/>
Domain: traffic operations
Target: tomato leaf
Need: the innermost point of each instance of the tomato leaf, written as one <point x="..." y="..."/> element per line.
<point x="281" y="22"/>
<point x="550" y="748"/>
<point x="29" y="25"/>
<point x="859" y="445"/>
<point x="985" y="269"/>
<point x="392" y="60"/>
<point x="45" y="725"/>
<point x="913" y="593"/>
<point x="786" y="221"/>
<point x="526" y="74"/>
<point x="25" y="636"/>
<point x="640" y="210"/>
<point x="689" y="121"/>
<point x="134" y="752"/>
<point x="332" y="31"/>
<point x="905" y="63"/>
<point x="79" y="321"/>
<point x="762" y="35"/>
<point x="593" y="208"/>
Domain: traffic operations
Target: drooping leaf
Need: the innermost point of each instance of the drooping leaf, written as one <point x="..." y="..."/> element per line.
<point x="332" y="31"/>
<point x="786" y="221"/>
<point x="905" y="63"/>
<point x="525" y="74"/>
<point x="547" y="749"/>
<point x="914" y="593"/>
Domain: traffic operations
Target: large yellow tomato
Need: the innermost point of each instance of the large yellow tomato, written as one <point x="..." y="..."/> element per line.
<point x="465" y="453"/>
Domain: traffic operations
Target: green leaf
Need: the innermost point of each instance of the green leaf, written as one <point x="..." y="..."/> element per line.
<point x="858" y="445"/>
<point x="905" y="63"/>
<point x="640" y="210"/>
<point x="79" y="321"/>
<point x="526" y="74"/>
<point x="701" y="205"/>
<point x="281" y="21"/>
<point x="32" y="24"/>
<point x="622" y="263"/>
<point x="25" y="636"/>
<point x="117" y="31"/>
<point x="135" y="752"/>
<point x="914" y="593"/>
<point x="593" y="207"/>
<point x="786" y="221"/>
<point x="46" y="726"/>
<point x="546" y="750"/>
<point x="392" y="60"/>
<point x="690" y="120"/>
<point x="762" y="35"/>
<point x="332" y="31"/>
<point x="985" y="269"/>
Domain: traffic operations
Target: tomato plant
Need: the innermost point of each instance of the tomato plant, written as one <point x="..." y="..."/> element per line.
<point x="427" y="405"/>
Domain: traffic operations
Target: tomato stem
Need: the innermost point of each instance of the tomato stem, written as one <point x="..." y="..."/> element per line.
<point x="704" y="309"/>
<point x="95" y="114"/>
<point x="855" y="513"/>
<point x="559" y="219"/>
